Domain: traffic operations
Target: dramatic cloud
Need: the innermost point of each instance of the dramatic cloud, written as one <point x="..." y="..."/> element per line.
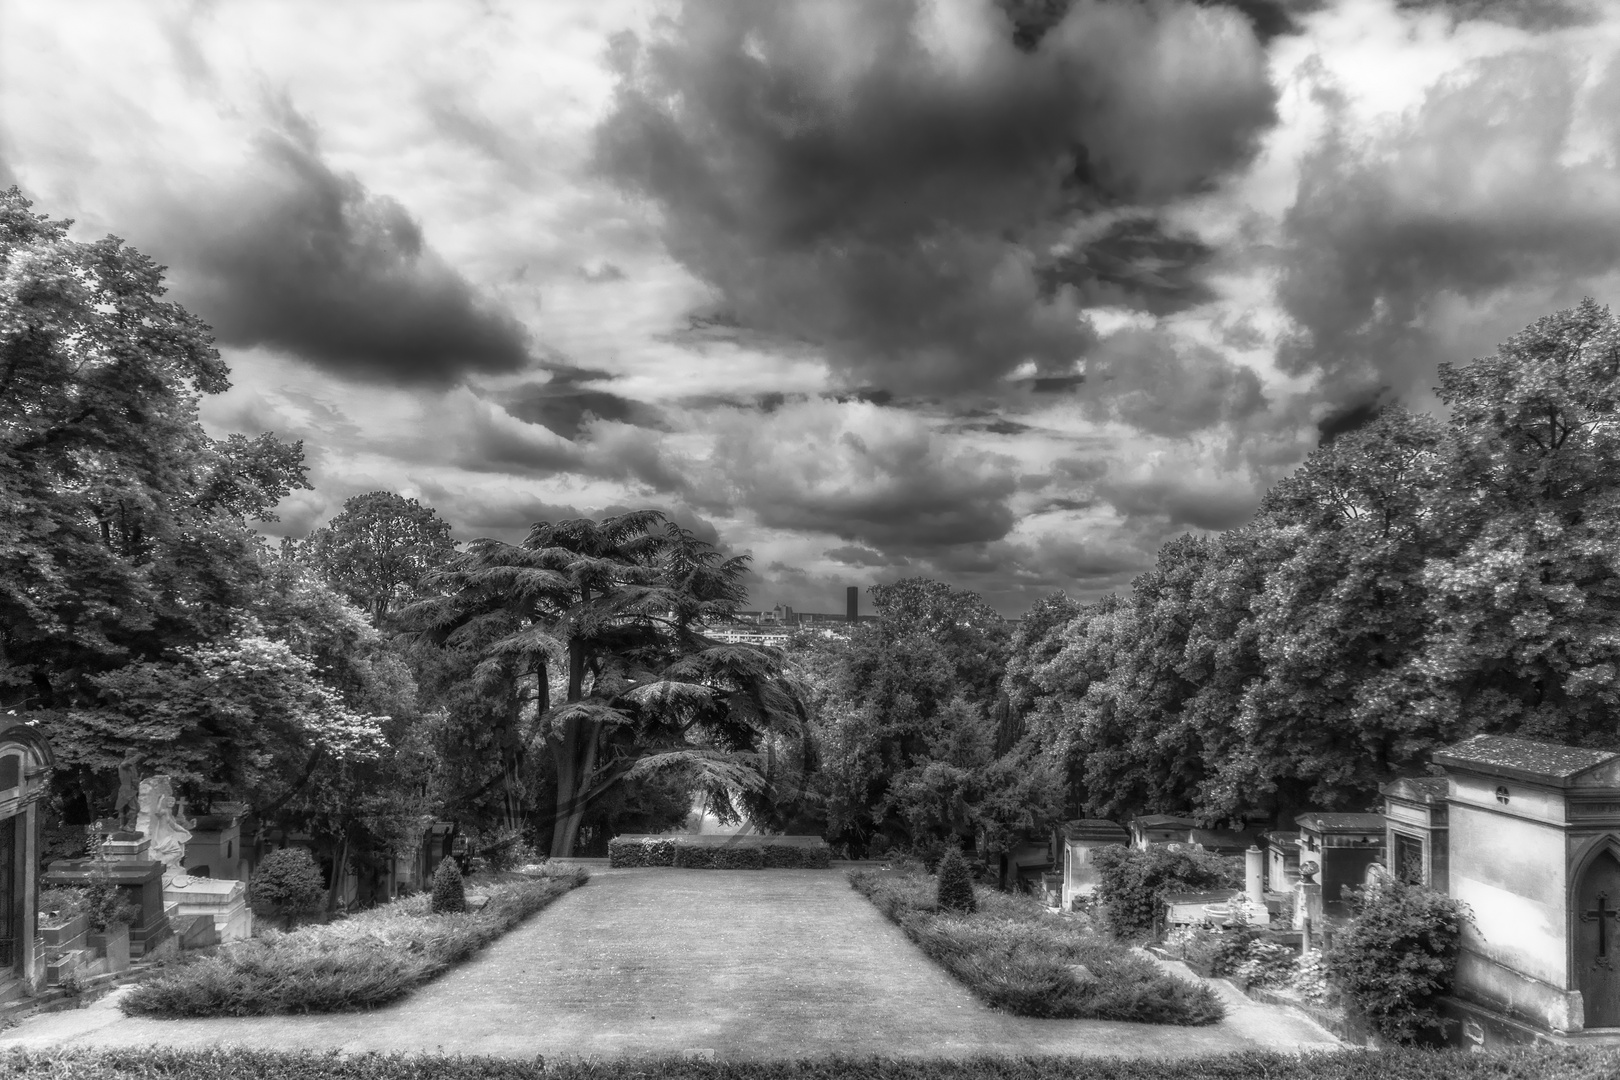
<point x="299" y="257"/>
<point x="891" y="180"/>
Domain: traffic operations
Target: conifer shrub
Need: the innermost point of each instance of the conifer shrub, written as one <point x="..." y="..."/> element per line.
<point x="1397" y="956"/>
<point x="448" y="893"/>
<point x="287" y="883"/>
<point x="955" y="883"/>
<point x="727" y="857"/>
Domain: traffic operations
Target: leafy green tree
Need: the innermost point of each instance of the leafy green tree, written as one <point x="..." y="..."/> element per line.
<point x="587" y="640"/>
<point x="1398" y="956"/>
<point x="378" y="549"/>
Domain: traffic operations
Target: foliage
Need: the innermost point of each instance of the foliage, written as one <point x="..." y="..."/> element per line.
<point x="585" y="642"/>
<point x="448" y="893"/>
<point x="797" y="857"/>
<point x="649" y="851"/>
<point x="719" y="856"/>
<point x="1526" y="1063"/>
<point x="954" y="890"/>
<point x="1017" y="956"/>
<point x="356" y="963"/>
<point x="1397" y="956"/>
<point x="107" y="906"/>
<point x="287" y="882"/>
<point x="66" y="901"/>
<point x="1132" y="884"/>
<point x="377" y="550"/>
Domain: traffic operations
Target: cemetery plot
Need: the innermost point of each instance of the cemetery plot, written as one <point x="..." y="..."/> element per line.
<point x="361" y="962"/>
<point x="1016" y="956"/>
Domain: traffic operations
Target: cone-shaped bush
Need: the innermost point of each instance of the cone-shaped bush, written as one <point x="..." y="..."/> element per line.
<point x="448" y="894"/>
<point x="956" y="883"/>
<point x="288" y="883"/>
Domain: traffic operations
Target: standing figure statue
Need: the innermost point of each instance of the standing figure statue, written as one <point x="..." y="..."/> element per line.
<point x="128" y="804"/>
<point x="166" y="832"/>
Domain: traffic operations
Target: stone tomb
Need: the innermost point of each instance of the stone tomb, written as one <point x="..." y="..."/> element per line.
<point x="1342" y="846"/>
<point x="1281" y="860"/>
<point x="1080" y="839"/>
<point x="221" y="900"/>
<point x="1161" y="829"/>
<point x="1416" y="848"/>
<point x="215" y="847"/>
<point x="25" y="764"/>
<point x="125" y="865"/>
<point x="1535" y="854"/>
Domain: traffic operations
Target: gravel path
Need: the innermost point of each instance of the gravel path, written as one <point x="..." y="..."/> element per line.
<point x="746" y="964"/>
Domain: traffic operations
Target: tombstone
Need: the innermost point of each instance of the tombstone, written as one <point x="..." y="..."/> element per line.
<point x="1342" y="846"/>
<point x="1282" y="859"/>
<point x="25" y="764"/>
<point x="220" y="900"/>
<point x="121" y="860"/>
<point x="1161" y="829"/>
<point x="1080" y="840"/>
<point x="215" y="847"/>
<point x="1415" y="831"/>
<point x="1534" y="837"/>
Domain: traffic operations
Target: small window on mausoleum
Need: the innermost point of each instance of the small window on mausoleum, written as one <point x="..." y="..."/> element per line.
<point x="1502" y="795"/>
<point x="1408" y="859"/>
<point x="10" y="771"/>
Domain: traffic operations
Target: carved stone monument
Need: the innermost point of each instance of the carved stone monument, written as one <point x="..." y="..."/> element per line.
<point x="166" y="833"/>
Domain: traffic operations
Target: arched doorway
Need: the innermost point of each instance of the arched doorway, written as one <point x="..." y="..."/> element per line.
<point x="1597" y="939"/>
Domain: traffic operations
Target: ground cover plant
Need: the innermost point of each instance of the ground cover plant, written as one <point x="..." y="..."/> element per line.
<point x="1541" y="1063"/>
<point x="1015" y="955"/>
<point x="356" y="963"/>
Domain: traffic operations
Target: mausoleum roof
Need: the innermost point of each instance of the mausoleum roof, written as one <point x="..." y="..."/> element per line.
<point x="1095" y="829"/>
<point x="1162" y="821"/>
<point x="1523" y="759"/>
<point x="1424" y="789"/>
<point x="1341" y="823"/>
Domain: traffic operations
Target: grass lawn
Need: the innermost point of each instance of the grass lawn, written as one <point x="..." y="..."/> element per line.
<point x="366" y="960"/>
<point x="151" y="1064"/>
<point x="1017" y="956"/>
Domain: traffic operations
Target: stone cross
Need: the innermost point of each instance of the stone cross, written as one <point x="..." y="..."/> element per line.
<point x="1602" y="913"/>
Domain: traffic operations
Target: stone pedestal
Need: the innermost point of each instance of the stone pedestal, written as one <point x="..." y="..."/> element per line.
<point x="225" y="902"/>
<point x="141" y="882"/>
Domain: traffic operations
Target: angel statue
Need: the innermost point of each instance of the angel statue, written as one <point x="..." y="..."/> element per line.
<point x="166" y="831"/>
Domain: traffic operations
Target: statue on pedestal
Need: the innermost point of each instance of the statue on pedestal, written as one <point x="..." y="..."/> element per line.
<point x="166" y="832"/>
<point x="128" y="804"/>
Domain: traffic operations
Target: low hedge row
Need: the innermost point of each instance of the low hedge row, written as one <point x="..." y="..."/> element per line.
<point x="356" y="963"/>
<point x="661" y="851"/>
<point x="1542" y="1063"/>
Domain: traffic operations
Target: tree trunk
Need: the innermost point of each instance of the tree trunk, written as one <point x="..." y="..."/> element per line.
<point x="339" y="863"/>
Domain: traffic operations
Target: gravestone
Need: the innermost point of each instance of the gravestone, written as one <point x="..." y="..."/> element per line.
<point x="1081" y="839"/>
<point x="1342" y="846"/>
<point x="1535" y="854"/>
<point x="1282" y="860"/>
<point x="1161" y="829"/>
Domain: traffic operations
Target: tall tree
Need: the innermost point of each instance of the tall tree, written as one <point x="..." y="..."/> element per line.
<point x="589" y="641"/>
<point x="379" y="548"/>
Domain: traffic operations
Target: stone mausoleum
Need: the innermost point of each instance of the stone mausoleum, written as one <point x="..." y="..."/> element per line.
<point x="25" y="764"/>
<point x="1534" y="851"/>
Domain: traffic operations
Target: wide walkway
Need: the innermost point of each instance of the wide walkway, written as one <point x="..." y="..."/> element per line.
<point x="775" y="963"/>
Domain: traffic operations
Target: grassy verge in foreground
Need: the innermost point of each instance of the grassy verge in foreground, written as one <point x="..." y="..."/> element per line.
<point x="357" y="963"/>
<point x="1016" y="956"/>
<point x="1530" y="1064"/>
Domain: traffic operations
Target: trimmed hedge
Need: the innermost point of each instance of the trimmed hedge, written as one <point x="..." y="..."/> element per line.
<point x="356" y="963"/>
<point x="1541" y="1063"/>
<point x="744" y="854"/>
<point x="1014" y="955"/>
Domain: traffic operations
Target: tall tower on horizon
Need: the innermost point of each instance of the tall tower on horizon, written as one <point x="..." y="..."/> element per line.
<point x="852" y="604"/>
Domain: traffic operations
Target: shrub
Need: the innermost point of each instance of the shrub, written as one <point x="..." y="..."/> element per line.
<point x="798" y="856"/>
<point x="65" y="901"/>
<point x="287" y="883"/>
<point x="448" y="893"/>
<point x="634" y="851"/>
<point x="1132" y="885"/>
<point x="1017" y="956"/>
<point x="728" y="857"/>
<point x="107" y="906"/>
<point x="1397" y="956"/>
<point x="955" y="890"/>
<point x="356" y="963"/>
<point x="209" y="1063"/>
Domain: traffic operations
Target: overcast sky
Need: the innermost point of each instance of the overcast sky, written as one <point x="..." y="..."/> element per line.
<point x="1004" y="294"/>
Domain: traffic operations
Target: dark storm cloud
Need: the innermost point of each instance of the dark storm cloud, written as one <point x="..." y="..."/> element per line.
<point x="1180" y="502"/>
<point x="566" y="407"/>
<point x="1166" y="387"/>
<point x="1482" y="199"/>
<point x="303" y="259"/>
<point x="889" y="180"/>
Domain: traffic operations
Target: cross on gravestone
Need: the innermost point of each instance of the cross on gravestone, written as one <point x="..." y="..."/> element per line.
<point x="1602" y="912"/>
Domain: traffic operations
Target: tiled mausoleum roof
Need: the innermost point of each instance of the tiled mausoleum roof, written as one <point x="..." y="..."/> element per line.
<point x="1525" y="759"/>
